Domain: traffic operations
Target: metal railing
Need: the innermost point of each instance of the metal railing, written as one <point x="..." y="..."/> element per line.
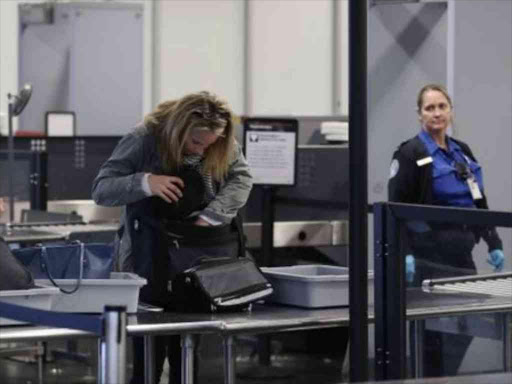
<point x="389" y="273"/>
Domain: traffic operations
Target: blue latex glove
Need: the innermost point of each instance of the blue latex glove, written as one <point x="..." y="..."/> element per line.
<point x="410" y="268"/>
<point x="496" y="259"/>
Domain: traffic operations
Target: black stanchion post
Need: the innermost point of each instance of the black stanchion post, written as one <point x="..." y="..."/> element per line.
<point x="379" y="266"/>
<point x="358" y="212"/>
<point x="390" y="315"/>
<point x="267" y="245"/>
<point x="39" y="181"/>
<point x="267" y="225"/>
<point x="10" y="161"/>
<point x="395" y="302"/>
<point x="279" y="137"/>
<point x="115" y="338"/>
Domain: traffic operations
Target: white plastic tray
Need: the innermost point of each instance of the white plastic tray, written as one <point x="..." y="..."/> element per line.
<point x="40" y="297"/>
<point x="121" y="289"/>
<point x="312" y="286"/>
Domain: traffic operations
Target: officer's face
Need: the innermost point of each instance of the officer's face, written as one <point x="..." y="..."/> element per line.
<point x="436" y="112"/>
<point x="199" y="141"/>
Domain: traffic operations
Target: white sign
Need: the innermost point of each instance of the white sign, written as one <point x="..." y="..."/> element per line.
<point x="271" y="156"/>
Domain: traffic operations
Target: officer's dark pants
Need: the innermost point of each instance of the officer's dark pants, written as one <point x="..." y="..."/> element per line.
<point x="447" y="255"/>
<point x="181" y="257"/>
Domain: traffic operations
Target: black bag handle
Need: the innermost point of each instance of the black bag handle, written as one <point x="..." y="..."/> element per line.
<point x="238" y="221"/>
<point x="45" y="263"/>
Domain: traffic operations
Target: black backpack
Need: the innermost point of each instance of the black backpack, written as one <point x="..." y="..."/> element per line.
<point x="13" y="274"/>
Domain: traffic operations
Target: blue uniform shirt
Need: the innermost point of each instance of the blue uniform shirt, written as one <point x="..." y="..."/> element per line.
<point x="448" y="189"/>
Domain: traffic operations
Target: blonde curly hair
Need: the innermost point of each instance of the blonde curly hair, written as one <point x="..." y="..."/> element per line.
<point x="172" y="122"/>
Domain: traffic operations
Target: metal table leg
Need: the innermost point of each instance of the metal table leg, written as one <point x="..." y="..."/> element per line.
<point x="149" y="361"/>
<point x="419" y="330"/>
<point x="101" y="361"/>
<point x="40" y="355"/>
<point x="507" y="342"/>
<point x="115" y="344"/>
<point x="229" y="360"/>
<point x="187" y="358"/>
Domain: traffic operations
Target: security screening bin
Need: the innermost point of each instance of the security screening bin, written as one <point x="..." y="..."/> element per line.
<point x="40" y="297"/>
<point x="312" y="286"/>
<point x="121" y="289"/>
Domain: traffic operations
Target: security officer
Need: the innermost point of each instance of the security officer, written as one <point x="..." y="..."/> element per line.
<point x="435" y="169"/>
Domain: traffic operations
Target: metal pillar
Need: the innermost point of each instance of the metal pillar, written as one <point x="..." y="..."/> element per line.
<point x="229" y="360"/>
<point x="507" y="342"/>
<point x="358" y="211"/>
<point x="102" y="361"/>
<point x="149" y="362"/>
<point x="390" y="320"/>
<point x="115" y="338"/>
<point x="418" y="347"/>
<point x="187" y="358"/>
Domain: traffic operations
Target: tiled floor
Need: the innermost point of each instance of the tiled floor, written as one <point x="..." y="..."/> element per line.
<point x="287" y="367"/>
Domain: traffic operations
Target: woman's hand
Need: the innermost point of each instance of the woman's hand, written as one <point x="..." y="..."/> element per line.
<point x="169" y="188"/>
<point x="202" y="222"/>
<point x="2" y="206"/>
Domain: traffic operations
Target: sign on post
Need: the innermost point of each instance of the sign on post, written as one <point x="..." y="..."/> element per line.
<point x="270" y="147"/>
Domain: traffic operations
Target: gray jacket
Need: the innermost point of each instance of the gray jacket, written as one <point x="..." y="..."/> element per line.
<point x="119" y="182"/>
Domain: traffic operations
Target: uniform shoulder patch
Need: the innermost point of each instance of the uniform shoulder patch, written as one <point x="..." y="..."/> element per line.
<point x="393" y="169"/>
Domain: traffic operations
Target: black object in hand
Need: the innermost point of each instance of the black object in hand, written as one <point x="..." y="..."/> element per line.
<point x="191" y="201"/>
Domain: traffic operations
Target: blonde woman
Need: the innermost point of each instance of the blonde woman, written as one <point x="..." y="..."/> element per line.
<point x="182" y="178"/>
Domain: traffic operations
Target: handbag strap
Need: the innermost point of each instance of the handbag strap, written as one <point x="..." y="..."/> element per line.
<point x="241" y="236"/>
<point x="45" y="263"/>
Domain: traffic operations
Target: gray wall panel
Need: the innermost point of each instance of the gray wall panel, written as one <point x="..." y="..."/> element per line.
<point x="89" y="60"/>
<point x="483" y="99"/>
<point x="406" y="49"/>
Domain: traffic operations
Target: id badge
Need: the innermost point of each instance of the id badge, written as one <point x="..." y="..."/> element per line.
<point x="473" y="188"/>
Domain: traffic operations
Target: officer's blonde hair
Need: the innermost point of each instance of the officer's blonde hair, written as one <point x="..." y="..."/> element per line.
<point x="432" y="87"/>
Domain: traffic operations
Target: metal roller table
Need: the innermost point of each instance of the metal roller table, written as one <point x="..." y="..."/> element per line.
<point x="267" y="318"/>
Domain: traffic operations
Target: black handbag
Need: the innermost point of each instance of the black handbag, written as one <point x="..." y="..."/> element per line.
<point x="219" y="285"/>
<point x="13" y="274"/>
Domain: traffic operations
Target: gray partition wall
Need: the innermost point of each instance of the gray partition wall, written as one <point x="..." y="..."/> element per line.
<point x="483" y="99"/>
<point x="466" y="45"/>
<point x="407" y="47"/>
<point x="87" y="59"/>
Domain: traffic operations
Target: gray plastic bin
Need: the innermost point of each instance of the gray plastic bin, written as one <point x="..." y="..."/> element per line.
<point x="121" y="289"/>
<point x="312" y="286"/>
<point x="40" y="297"/>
